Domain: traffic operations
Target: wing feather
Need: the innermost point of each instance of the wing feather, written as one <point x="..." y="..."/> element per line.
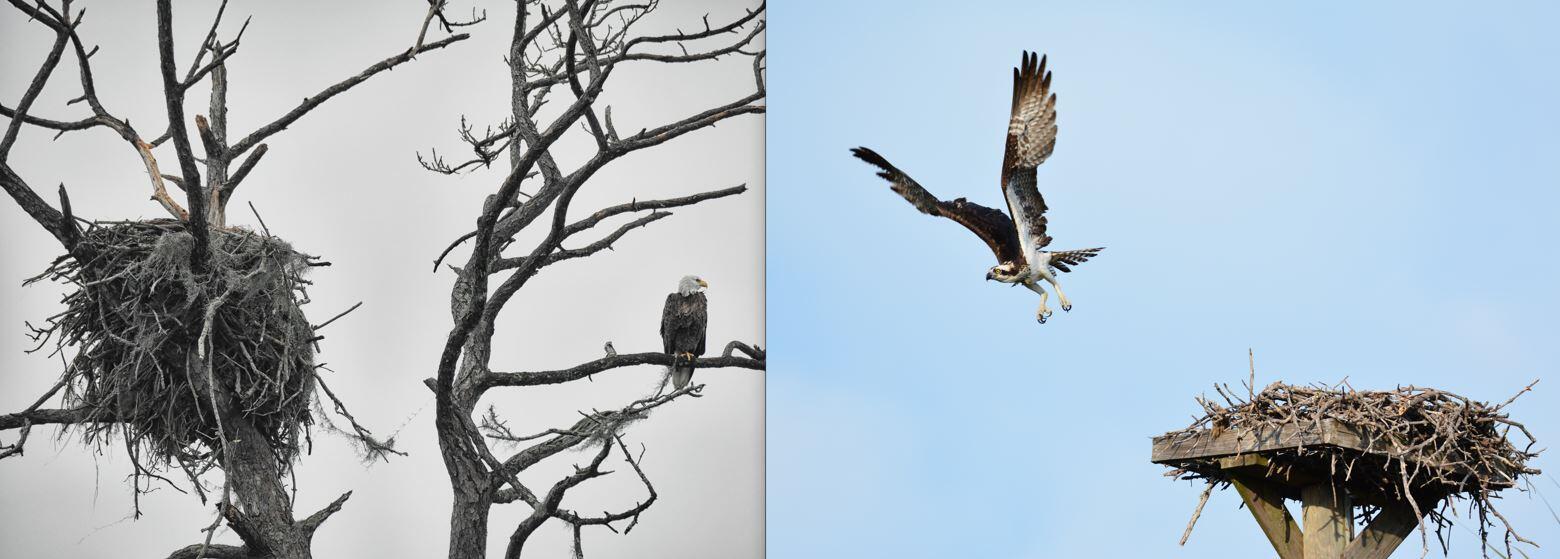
<point x="699" y="314"/>
<point x="991" y="225"/>
<point x="669" y="316"/>
<point x="1031" y="138"/>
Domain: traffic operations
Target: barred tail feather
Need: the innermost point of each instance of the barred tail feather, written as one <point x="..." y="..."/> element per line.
<point x="1066" y="259"/>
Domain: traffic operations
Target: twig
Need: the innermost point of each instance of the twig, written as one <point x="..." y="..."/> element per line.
<point x="338" y="315"/>
<point x="1197" y="513"/>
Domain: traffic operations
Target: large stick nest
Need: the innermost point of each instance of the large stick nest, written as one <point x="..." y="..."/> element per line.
<point x="159" y="346"/>
<point x="1425" y="447"/>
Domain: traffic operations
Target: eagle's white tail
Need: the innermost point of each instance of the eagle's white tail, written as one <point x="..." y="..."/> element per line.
<point x="681" y="376"/>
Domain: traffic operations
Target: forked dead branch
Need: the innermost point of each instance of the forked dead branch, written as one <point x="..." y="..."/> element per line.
<point x="1411" y="453"/>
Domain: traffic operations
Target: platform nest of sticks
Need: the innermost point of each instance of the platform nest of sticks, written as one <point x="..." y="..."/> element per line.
<point x="1403" y="456"/>
<point x="142" y="320"/>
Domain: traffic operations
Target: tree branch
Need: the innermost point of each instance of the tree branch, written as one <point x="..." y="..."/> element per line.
<point x="600" y="424"/>
<point x="606" y="519"/>
<point x="309" y="103"/>
<point x="212" y="551"/>
<point x="624" y="55"/>
<point x="606" y="242"/>
<point x="61" y="39"/>
<point x="51" y="220"/>
<point x="313" y="522"/>
<point x="50" y="124"/>
<point x="28" y="417"/>
<point x="662" y="134"/>
<point x="548" y="507"/>
<point x="101" y="117"/>
<point x="242" y="172"/>
<point x="637" y="205"/>
<point x="173" y="96"/>
<point x="476" y="310"/>
<point x="49" y="417"/>
<point x="48" y="217"/>
<point x="561" y="254"/>
<point x="534" y="378"/>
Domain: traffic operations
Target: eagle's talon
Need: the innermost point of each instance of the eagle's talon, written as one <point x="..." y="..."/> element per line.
<point x="1067" y="308"/>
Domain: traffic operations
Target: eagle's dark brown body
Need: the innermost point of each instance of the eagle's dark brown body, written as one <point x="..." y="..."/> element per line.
<point x="683" y="325"/>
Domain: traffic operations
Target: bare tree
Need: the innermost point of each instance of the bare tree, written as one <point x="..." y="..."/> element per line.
<point x="220" y="426"/>
<point x="568" y="49"/>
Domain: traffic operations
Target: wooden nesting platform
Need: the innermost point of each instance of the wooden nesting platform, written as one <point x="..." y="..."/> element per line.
<point x="1307" y="452"/>
<point x="1329" y="466"/>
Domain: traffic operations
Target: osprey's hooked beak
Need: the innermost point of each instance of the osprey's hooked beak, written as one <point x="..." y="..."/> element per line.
<point x="990" y="275"/>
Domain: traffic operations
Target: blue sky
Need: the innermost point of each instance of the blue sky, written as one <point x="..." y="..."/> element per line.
<point x="1353" y="191"/>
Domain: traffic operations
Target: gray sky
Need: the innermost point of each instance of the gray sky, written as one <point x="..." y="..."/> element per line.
<point x="343" y="183"/>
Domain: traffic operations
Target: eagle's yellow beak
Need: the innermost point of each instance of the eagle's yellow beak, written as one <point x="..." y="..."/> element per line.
<point x="703" y="283"/>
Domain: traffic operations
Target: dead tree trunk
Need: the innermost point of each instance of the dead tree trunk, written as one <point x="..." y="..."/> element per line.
<point x="473" y="491"/>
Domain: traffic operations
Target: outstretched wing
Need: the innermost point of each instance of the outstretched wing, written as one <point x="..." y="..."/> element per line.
<point x="1031" y="137"/>
<point x="991" y="225"/>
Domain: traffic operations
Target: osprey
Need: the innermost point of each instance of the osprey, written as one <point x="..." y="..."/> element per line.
<point x="682" y="328"/>
<point x="1018" y="241"/>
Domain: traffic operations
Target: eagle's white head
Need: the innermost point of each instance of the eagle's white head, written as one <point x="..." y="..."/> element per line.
<point x="1006" y="272"/>
<point x="690" y="285"/>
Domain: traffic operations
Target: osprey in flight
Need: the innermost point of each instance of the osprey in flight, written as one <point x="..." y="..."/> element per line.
<point x="1019" y="241"/>
<point x="682" y="328"/>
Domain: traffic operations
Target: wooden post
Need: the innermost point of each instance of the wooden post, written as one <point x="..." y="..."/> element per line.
<point x="1267" y="506"/>
<point x="1329" y="520"/>
<point x="1384" y="534"/>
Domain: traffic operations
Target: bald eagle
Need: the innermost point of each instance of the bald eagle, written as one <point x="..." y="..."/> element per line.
<point x="683" y="323"/>
<point x="1018" y="241"/>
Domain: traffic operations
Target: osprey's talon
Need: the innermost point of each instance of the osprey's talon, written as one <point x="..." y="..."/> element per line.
<point x="1067" y="307"/>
